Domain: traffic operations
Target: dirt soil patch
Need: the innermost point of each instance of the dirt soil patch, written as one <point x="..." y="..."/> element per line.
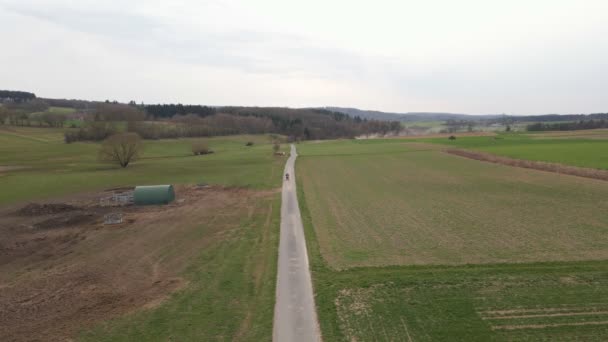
<point x="45" y="209"/>
<point x="531" y="164"/>
<point x="80" y="218"/>
<point x="62" y="270"/>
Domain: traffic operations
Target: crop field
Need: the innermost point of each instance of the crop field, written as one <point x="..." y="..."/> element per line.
<point x="520" y="302"/>
<point x="421" y="206"/>
<point x="36" y="163"/>
<point x="600" y="133"/>
<point x="410" y="244"/>
<point x="202" y="268"/>
<point x="577" y="148"/>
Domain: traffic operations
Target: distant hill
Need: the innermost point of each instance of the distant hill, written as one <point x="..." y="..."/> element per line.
<point x="408" y="117"/>
<point x="430" y="116"/>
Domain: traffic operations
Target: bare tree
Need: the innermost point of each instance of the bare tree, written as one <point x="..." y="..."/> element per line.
<point x="121" y="149"/>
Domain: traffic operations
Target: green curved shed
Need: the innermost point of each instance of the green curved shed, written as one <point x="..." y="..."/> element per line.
<point x="153" y="194"/>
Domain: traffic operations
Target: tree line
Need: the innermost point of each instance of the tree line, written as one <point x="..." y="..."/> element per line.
<point x="7" y="96"/>
<point x="297" y="124"/>
<point x="568" y="126"/>
<point x="559" y="117"/>
<point x="156" y="121"/>
<point x="169" y="110"/>
<point x="29" y="113"/>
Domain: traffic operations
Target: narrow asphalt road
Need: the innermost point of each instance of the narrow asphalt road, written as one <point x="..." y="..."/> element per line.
<point x="295" y="318"/>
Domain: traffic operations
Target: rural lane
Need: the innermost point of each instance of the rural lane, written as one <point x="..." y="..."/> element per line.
<point x="295" y="318"/>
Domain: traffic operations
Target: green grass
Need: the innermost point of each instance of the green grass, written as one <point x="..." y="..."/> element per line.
<point x="440" y="302"/>
<point x="231" y="289"/>
<point x="49" y="167"/>
<point x="464" y="303"/>
<point x="574" y="151"/>
<point x="61" y="110"/>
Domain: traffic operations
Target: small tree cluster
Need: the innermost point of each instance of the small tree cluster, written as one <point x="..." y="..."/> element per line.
<point x="93" y="131"/>
<point x="53" y="119"/>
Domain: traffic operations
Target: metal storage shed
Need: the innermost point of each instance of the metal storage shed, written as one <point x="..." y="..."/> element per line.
<point x="153" y="194"/>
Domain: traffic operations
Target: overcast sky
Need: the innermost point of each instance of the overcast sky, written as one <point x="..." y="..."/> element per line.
<point x="466" y="56"/>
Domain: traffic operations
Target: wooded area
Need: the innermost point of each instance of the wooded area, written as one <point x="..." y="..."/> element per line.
<point x="95" y="121"/>
<point x="568" y="126"/>
<point x="16" y="96"/>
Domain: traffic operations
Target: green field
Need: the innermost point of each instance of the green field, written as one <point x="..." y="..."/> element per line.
<point x="585" y="149"/>
<point x="40" y="165"/>
<point x="386" y="219"/>
<point x="422" y="206"/>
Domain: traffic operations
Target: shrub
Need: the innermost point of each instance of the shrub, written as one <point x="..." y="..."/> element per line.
<point x="452" y="137"/>
<point x="249" y="143"/>
<point x="200" y="147"/>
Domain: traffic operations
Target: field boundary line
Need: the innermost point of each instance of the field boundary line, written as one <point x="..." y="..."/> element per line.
<point x="28" y="137"/>
<point x="594" y="306"/>
<point x="531" y="164"/>
<point x="558" y="314"/>
<point x="550" y="325"/>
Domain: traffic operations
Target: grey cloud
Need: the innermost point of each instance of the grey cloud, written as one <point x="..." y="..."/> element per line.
<point x="109" y="24"/>
<point x="249" y="51"/>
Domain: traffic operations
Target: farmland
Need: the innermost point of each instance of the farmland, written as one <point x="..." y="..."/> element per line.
<point x="421" y="206"/>
<point x="28" y="156"/>
<point x="203" y="268"/>
<point x="408" y="243"/>
<point x="405" y="241"/>
<point x="576" y="148"/>
<point x="520" y="302"/>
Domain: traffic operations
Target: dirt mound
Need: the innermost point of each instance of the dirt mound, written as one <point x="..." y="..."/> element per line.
<point x="45" y="209"/>
<point x="79" y="218"/>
